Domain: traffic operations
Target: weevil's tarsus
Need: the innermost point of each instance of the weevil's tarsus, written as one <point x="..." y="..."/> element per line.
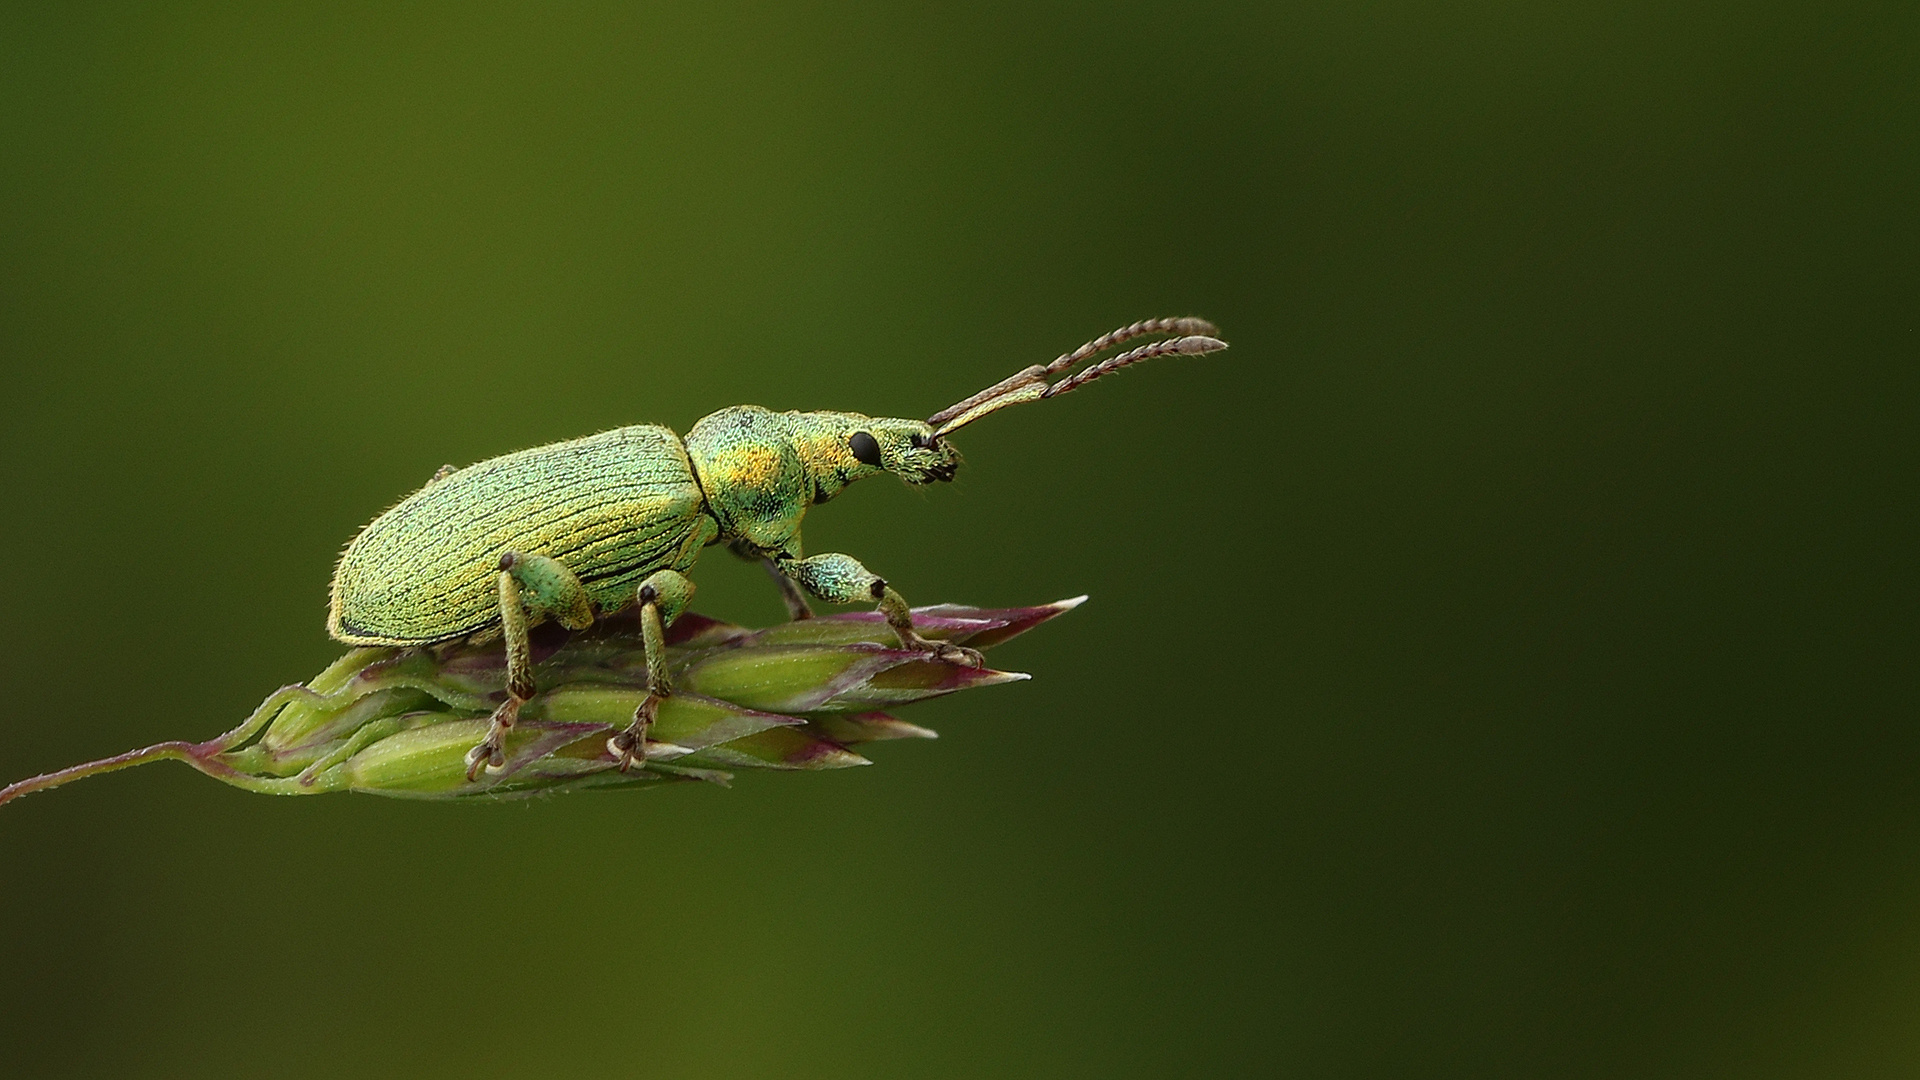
<point x="900" y="617"/>
<point x="491" y="752"/>
<point x="1195" y="337"/>
<point x="629" y="745"/>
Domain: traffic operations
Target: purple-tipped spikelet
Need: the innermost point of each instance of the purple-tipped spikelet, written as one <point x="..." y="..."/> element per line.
<point x="400" y="722"/>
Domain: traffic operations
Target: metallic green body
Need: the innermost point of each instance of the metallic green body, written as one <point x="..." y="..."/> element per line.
<point x="761" y="469"/>
<point x="757" y="486"/>
<point x="612" y="507"/>
<point x="579" y="529"/>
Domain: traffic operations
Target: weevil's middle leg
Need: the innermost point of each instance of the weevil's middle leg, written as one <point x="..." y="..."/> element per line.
<point x="797" y="606"/>
<point x="544" y="585"/>
<point x="492" y="750"/>
<point x="790" y="594"/>
<point x="840" y="579"/>
<point x="662" y="597"/>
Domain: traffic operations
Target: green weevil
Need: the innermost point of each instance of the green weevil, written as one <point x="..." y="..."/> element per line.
<point x="578" y="529"/>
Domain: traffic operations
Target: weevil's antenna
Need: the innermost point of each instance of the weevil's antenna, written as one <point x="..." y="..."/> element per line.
<point x="1196" y="339"/>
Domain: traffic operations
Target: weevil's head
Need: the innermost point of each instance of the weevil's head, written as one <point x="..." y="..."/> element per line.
<point x="906" y="448"/>
<point x="839" y="448"/>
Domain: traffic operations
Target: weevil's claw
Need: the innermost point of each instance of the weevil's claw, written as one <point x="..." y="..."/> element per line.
<point x="944" y="651"/>
<point x="960" y="655"/>
<point x="492" y="751"/>
<point x="630" y="744"/>
<point x="628" y="747"/>
<point x="489" y="753"/>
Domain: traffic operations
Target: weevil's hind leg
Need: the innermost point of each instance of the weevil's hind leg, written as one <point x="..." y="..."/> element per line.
<point x="527" y="583"/>
<point x="840" y="579"/>
<point x="662" y="597"/>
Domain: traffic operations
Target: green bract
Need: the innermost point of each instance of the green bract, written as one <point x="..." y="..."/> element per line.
<point x="400" y="722"/>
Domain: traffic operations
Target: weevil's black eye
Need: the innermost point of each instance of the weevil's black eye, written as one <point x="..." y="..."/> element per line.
<point x="922" y="442"/>
<point x="865" y="449"/>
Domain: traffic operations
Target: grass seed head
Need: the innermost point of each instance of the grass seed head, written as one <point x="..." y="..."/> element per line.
<point x="400" y="722"/>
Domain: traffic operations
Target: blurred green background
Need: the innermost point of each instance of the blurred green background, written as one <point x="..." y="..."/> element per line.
<point x="1500" y="663"/>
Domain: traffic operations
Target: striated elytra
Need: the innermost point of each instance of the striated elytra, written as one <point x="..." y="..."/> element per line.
<point x="579" y="529"/>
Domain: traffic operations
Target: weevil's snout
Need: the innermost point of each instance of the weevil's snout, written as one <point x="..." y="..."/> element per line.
<point x="935" y="460"/>
<point x="944" y="473"/>
<point x="918" y="456"/>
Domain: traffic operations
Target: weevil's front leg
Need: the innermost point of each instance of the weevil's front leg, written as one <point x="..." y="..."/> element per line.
<point x="662" y="596"/>
<point x="528" y="584"/>
<point x="840" y="579"/>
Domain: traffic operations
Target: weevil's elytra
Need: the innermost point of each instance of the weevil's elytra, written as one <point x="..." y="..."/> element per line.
<point x="590" y="526"/>
<point x="611" y="507"/>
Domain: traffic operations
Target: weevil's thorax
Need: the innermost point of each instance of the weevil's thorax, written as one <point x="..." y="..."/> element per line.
<point x="755" y="482"/>
<point x="761" y="470"/>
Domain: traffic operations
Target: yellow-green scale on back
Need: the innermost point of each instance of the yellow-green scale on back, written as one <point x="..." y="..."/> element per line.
<point x="614" y="507"/>
<point x="757" y="486"/>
